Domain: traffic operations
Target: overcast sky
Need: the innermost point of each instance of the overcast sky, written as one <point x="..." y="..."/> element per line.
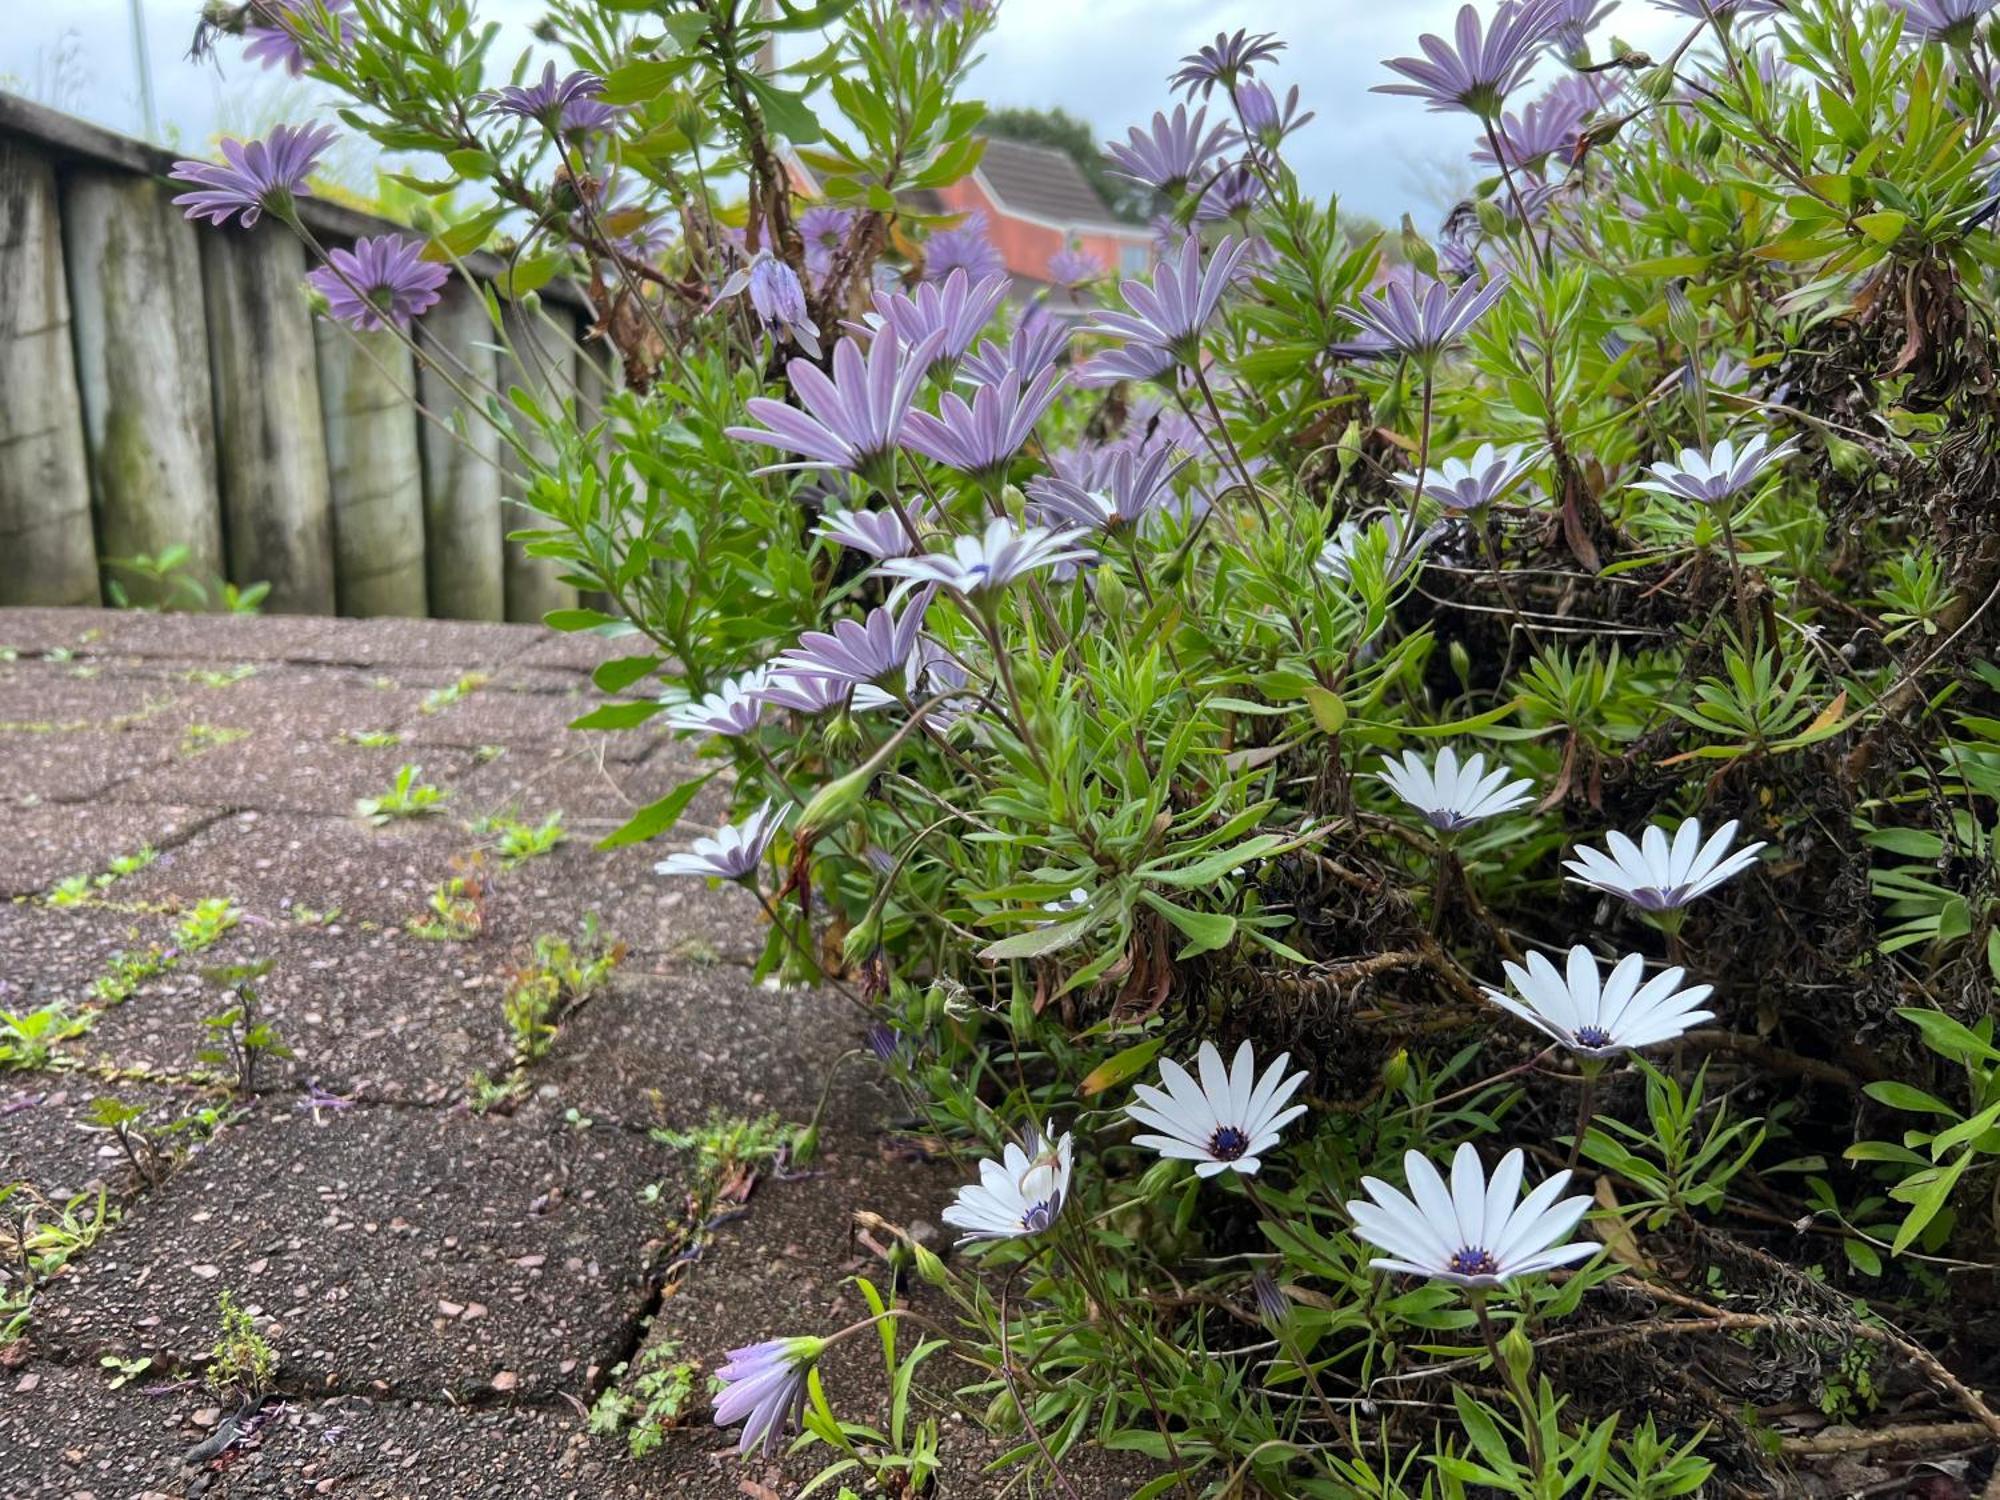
<point x="1104" y="59"/>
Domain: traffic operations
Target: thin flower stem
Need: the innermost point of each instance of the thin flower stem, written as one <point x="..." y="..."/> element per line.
<point x="1229" y="440"/>
<point x="1531" y="1430"/>
<point x="1586" y="1101"/>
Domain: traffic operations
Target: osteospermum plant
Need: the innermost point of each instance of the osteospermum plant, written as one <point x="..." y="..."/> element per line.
<point x="1323" y="714"/>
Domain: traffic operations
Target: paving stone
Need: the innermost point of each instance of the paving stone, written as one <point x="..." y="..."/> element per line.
<point x="300" y="776"/>
<point x="350" y="1233"/>
<point x="44" y="697"/>
<point x="659" y="917"/>
<point x="49" y="955"/>
<point x="498" y="715"/>
<point x="47" y="1140"/>
<point x="293" y="703"/>
<point x="380" y="1016"/>
<point x="138" y="633"/>
<point x="64" y="1433"/>
<point x="433" y="644"/>
<point x="49" y="843"/>
<point x="581" y="775"/>
<point x="74" y="767"/>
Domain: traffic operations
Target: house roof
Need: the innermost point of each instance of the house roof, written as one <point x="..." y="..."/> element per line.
<point x="1041" y="182"/>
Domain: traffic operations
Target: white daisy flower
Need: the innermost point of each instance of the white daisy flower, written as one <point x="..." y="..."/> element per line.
<point x="1600" y="1017"/>
<point x="1475" y="1234"/>
<point x="990" y="561"/>
<point x="1453" y="796"/>
<point x="1225" y="1122"/>
<point x="1712" y="478"/>
<point x="732" y="709"/>
<point x="1020" y="1194"/>
<point x="734" y="853"/>
<point x="1656" y="875"/>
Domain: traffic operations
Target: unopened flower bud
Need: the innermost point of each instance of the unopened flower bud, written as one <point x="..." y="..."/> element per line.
<point x="1111" y="595"/>
<point x="1396" y="1071"/>
<point x="1492" y="219"/>
<point x="1519" y="1352"/>
<point x="833" y="804"/>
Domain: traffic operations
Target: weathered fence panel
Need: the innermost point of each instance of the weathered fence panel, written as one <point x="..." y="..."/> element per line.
<point x="142" y="370"/>
<point x="163" y="384"/>
<point x="270" y="437"/>
<point x="463" y="531"/>
<point x="365" y="381"/>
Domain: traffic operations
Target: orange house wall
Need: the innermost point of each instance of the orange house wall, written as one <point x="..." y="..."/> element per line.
<point x="1027" y="248"/>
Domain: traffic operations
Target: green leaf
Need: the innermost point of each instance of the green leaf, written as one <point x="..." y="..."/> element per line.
<point x="617" y="675"/>
<point x="1040" y="940"/>
<point x="1329" y="709"/>
<point x="1905" y="1096"/>
<point x="619" y="715"/>
<point x="1120" y="1067"/>
<point x="577" y="619"/>
<point x="1205" y="930"/>
<point x="657" y="817"/>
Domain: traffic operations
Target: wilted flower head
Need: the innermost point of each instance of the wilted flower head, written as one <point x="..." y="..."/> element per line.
<point x="981" y="438"/>
<point x="1949" y="21"/>
<point x="1452" y="796"/>
<point x="1476" y="1234"/>
<point x="1021" y="1194"/>
<point x="956" y="308"/>
<point x="778" y="300"/>
<point x="277" y="35"/>
<point x="734" y="853"/>
<point x="1132" y="487"/>
<point x="1469" y="483"/>
<point x="258" y="175"/>
<point x="1175" y="153"/>
<point x="1656" y="875"/>
<point x="732" y="709"/>
<point x="1711" y="478"/>
<point x="1225" y="62"/>
<point x="566" y="103"/>
<point x="853" y="421"/>
<point x="1596" y="1016"/>
<point x="1422" y="317"/>
<point x="1482" y="64"/>
<point x="856" y="651"/>
<point x="1225" y="1122"/>
<point x="1172" y="312"/>
<point x="383" y="281"/>
<point x="764" y="1388"/>
<point x="964" y="248"/>
<point x="985" y="564"/>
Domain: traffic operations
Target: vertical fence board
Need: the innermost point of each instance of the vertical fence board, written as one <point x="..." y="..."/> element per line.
<point x="142" y="368"/>
<point x="45" y="531"/>
<point x="270" y="436"/>
<point x="544" y="363"/>
<point x="376" y="470"/>
<point x="462" y="524"/>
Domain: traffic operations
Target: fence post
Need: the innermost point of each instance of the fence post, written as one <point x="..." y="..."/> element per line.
<point x="142" y="367"/>
<point x="462" y="525"/>
<point x="544" y="363"/>
<point x="270" y="435"/>
<point x="365" y="381"/>
<point x="45" y="532"/>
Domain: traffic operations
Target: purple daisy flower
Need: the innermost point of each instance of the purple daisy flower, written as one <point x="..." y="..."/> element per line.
<point x="277" y="39"/>
<point x="732" y="709"/>
<point x="567" y="103"/>
<point x="853" y="421"/>
<point x="735" y="853"/>
<point x="1573" y="22"/>
<point x="930" y="12"/>
<point x="981" y="438"/>
<point x="1949" y="21"/>
<point x="1038" y="344"/>
<point x="1233" y="193"/>
<point x="257" y="175"/>
<point x="1175" y="153"/>
<point x="764" y="1388"/>
<point x="1071" y="268"/>
<point x="985" y="564"/>
<point x="1266" y="122"/>
<point x="1723" y="12"/>
<point x="964" y="248"/>
<point x="824" y="228"/>
<point x="1546" y="127"/>
<point x="1487" y="64"/>
<point x="1172" y="312"/>
<point x="879" y="533"/>
<point x="778" y="300"/>
<point x="1131" y="489"/>
<point x="1423" y="317"/>
<point x="958" y="308"/>
<point x="1225" y="62"/>
<point x="1134" y="362"/>
<point x="858" y="651"/>
<point x="383" y="282"/>
<point x="1460" y="484"/>
<point x="1714" y="477"/>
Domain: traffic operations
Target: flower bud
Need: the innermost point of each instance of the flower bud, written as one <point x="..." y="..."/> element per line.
<point x="1349" y="450"/>
<point x="1519" y="1352"/>
<point x="862" y="940"/>
<point x="1396" y="1071"/>
<point x="806" y="1147"/>
<point x="833" y="804"/>
<point x="1014" y="502"/>
<point x="1111" y="595"/>
<point x="929" y="1266"/>
<point x="1492" y="218"/>
<point x="840" y="736"/>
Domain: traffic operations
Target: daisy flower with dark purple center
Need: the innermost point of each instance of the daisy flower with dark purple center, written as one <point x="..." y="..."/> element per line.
<point x="1132" y="489"/>
<point x="1452" y="797"/>
<point x="1226" y="1122"/>
<point x="764" y="1388"/>
<point x="1225" y="62"/>
<point x="1020" y="1194"/>
<point x="1171" y="313"/>
<point x="1598" y="1016"/>
<point x="1659" y="874"/>
<point x="957" y="308"/>
<point x="1949" y="21"/>
<point x="1266" y="122"/>
<point x="553" y="102"/>
<point x="383" y="282"/>
<point x="778" y="300"/>
<point x="1173" y="154"/>
<point x="966" y="247"/>
<point x="1037" y="345"/>
<point x="874" y="650"/>
<point x="979" y="566"/>
<point x="254" y="176"/>
<point x="277" y="34"/>
<point x="1421" y="316"/>
<point x="824" y="228"/>
<point x="1482" y="64"/>
<point x="853" y="420"/>
<point x="981" y="438"/>
<point x="1476" y="1234"/>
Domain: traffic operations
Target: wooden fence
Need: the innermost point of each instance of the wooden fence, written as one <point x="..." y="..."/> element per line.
<point x="164" y="383"/>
